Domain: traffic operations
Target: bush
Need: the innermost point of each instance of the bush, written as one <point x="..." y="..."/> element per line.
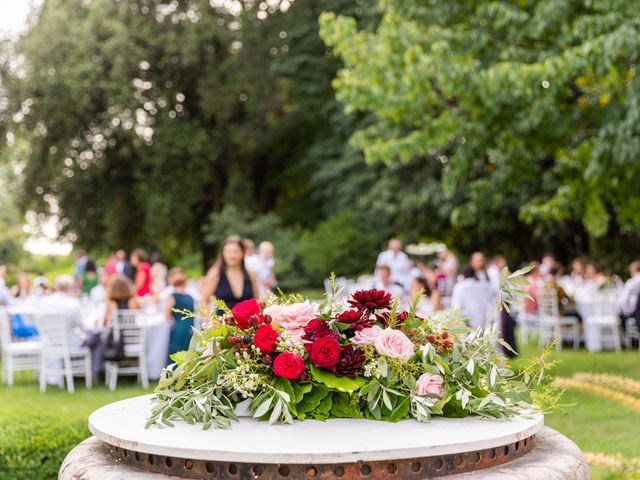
<point x="340" y="244"/>
<point x="32" y="448"/>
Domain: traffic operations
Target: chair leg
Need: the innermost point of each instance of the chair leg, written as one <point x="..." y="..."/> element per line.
<point x="43" y="374"/>
<point x="68" y="374"/>
<point x="144" y="375"/>
<point x="88" y="374"/>
<point x="113" y="381"/>
<point x="9" y="370"/>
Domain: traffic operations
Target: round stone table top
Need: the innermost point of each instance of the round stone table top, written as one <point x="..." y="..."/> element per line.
<point x="337" y="440"/>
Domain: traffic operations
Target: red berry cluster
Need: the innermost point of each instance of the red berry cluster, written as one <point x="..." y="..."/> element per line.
<point x="440" y="342"/>
<point x="243" y="342"/>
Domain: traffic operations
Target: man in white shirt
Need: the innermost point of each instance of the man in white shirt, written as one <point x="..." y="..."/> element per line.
<point x="494" y="269"/>
<point x="630" y="293"/>
<point x="64" y="302"/>
<point x="398" y="263"/>
<point x="474" y="296"/>
<point x="383" y="282"/>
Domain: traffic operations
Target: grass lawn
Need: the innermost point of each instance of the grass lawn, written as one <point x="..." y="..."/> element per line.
<point x="49" y="424"/>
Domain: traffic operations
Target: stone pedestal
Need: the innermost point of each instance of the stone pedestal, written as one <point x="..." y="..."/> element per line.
<point x="344" y="449"/>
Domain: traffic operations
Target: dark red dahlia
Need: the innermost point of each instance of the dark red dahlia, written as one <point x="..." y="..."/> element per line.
<point x="402" y="317"/>
<point x="356" y="319"/>
<point x="370" y="300"/>
<point x="350" y="363"/>
<point x="316" y="329"/>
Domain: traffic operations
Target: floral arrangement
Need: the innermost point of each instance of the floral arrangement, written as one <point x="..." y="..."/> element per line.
<point x="359" y="357"/>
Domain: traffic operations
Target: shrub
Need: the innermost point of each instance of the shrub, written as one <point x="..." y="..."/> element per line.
<point x="340" y="244"/>
<point x="33" y="447"/>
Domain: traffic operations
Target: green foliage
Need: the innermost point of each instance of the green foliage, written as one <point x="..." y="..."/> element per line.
<point x="339" y="244"/>
<point x="528" y="109"/>
<point x="34" y="449"/>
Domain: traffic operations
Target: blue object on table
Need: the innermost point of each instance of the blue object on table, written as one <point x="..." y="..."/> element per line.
<point x="19" y="329"/>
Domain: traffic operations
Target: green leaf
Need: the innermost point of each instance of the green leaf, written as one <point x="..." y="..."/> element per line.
<point x="263" y="408"/>
<point x="275" y="414"/>
<point x="343" y="384"/>
<point x="401" y="410"/>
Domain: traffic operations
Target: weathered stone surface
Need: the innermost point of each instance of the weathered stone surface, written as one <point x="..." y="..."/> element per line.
<point x="554" y="457"/>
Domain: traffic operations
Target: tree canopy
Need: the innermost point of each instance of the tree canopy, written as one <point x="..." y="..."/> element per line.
<point x="530" y="107"/>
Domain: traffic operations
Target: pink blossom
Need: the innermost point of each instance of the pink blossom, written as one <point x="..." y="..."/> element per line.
<point x="429" y="384"/>
<point x="367" y="336"/>
<point x="294" y="317"/>
<point x="394" y="344"/>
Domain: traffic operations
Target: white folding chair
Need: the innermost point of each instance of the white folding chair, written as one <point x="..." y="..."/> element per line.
<point x="631" y="333"/>
<point x="552" y="325"/>
<point x="527" y="323"/>
<point x="128" y="325"/>
<point x="58" y="358"/>
<point x="601" y="323"/>
<point x="16" y="356"/>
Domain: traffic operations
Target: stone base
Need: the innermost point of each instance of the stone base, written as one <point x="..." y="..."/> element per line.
<point x="554" y="457"/>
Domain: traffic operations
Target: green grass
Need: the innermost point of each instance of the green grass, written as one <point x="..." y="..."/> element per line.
<point x="595" y="424"/>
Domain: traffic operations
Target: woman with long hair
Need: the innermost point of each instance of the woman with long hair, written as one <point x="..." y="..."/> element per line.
<point x="228" y="279"/>
<point x="120" y="296"/>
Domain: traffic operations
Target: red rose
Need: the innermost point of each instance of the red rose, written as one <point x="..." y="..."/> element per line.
<point x="288" y="365"/>
<point x="325" y="352"/>
<point x="266" y="338"/>
<point x="244" y="311"/>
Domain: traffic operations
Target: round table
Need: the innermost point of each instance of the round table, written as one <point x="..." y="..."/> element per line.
<point x="337" y="448"/>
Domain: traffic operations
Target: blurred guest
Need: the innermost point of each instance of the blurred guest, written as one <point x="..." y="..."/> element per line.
<point x="98" y="293"/>
<point x="65" y="303"/>
<point x="158" y="273"/>
<point x="89" y="277"/>
<point x="110" y="265"/>
<point x="495" y="269"/>
<point x="428" y="300"/>
<point x="5" y="296"/>
<point x="448" y="263"/>
<point x="566" y="303"/>
<point x="547" y="263"/>
<point x="578" y="269"/>
<point x="398" y="263"/>
<point x="142" y="279"/>
<point x="254" y="264"/>
<point x="40" y="284"/>
<point x="22" y="289"/>
<point x="383" y="282"/>
<point x="120" y="296"/>
<point x="180" y="301"/>
<point x="533" y="289"/>
<point x="479" y="264"/>
<point x="228" y="279"/>
<point x="629" y="296"/>
<point x="473" y="296"/>
<point x="122" y="266"/>
<point x="81" y="263"/>
<point x="267" y="277"/>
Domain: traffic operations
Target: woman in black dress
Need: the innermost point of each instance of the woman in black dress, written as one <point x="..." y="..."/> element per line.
<point x="228" y="279"/>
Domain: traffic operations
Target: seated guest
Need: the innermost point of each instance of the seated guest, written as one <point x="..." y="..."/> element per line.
<point x="64" y="302"/>
<point x="534" y="278"/>
<point x="383" y="282"/>
<point x="566" y="304"/>
<point x="397" y="262"/>
<point x="474" y="296"/>
<point x="629" y="296"/>
<point x="428" y="301"/>
<point x="22" y="289"/>
<point x="120" y="296"/>
<point x="88" y="278"/>
<point x="179" y="302"/>
<point x="98" y="293"/>
<point x="40" y="284"/>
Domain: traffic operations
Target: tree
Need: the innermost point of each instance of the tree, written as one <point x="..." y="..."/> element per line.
<point x="529" y="109"/>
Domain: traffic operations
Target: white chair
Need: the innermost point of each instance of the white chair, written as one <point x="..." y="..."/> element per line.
<point x="128" y="325"/>
<point x="527" y="323"/>
<point x="58" y="357"/>
<point x="631" y="333"/>
<point x="16" y="356"/>
<point x="552" y="325"/>
<point x="601" y="324"/>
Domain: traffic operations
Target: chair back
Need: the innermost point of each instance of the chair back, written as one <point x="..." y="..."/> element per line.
<point x="128" y="325"/>
<point x="54" y="331"/>
<point x="5" y="329"/>
<point x="548" y="304"/>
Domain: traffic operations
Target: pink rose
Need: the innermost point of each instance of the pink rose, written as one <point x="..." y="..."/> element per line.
<point x="294" y="317"/>
<point x="429" y="384"/>
<point x="394" y="343"/>
<point x="367" y="336"/>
